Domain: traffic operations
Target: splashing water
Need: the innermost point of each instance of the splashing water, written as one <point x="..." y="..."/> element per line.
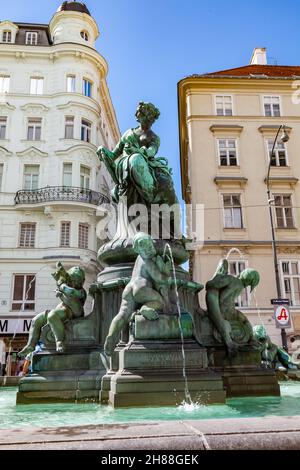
<point x="188" y="398"/>
<point x="253" y="295"/>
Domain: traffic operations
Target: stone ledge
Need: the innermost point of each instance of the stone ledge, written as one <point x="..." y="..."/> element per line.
<point x="267" y="433"/>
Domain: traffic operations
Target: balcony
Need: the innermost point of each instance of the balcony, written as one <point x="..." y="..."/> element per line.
<point x="60" y="194"/>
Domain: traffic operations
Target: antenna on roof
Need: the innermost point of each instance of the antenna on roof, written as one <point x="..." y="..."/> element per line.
<point x="273" y="59"/>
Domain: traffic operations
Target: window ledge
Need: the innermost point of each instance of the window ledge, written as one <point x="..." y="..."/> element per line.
<point x="229" y="181"/>
<point x="31" y="141"/>
<point x="215" y="128"/>
<point x="228" y="229"/>
<point x="284" y="229"/>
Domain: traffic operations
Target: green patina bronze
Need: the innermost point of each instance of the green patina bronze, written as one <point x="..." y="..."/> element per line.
<point x="231" y="326"/>
<point x="272" y="356"/>
<point x="138" y="173"/>
<point x="150" y="291"/>
<point x="72" y="295"/>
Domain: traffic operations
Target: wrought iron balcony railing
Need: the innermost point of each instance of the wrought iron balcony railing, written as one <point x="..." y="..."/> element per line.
<point x="60" y="193"/>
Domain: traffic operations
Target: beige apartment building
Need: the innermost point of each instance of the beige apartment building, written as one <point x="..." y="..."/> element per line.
<point x="228" y="121"/>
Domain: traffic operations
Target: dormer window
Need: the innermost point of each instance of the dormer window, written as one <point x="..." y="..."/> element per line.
<point x="84" y="35"/>
<point x="31" y="38"/>
<point x="6" y="36"/>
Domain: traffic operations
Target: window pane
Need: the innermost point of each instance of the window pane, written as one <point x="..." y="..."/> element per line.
<point x="18" y="288"/>
<point x="237" y="215"/>
<point x="30" y="288"/>
<point x="71" y="83"/>
<point x="227" y="200"/>
<point x="67" y="174"/>
<point x="268" y="110"/>
<point x="276" y="110"/>
<point x="236" y="200"/>
<point x="287" y="286"/>
<point x="1" y="175"/>
<point x="282" y="158"/>
<point x="4" y="84"/>
<point x="294" y="267"/>
<point x="285" y="267"/>
<point x="65" y="234"/>
<point x="27" y="235"/>
<point x="83" y="236"/>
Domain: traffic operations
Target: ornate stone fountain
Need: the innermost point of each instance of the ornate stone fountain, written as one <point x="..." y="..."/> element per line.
<point x="147" y="340"/>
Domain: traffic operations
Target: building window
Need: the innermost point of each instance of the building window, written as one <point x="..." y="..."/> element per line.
<point x="84" y="35"/>
<point x="71" y="83"/>
<point x="24" y="292"/>
<point x="4" y="84"/>
<point x="69" y="127"/>
<point x="83" y="236"/>
<point x="235" y="269"/>
<point x="36" y="86"/>
<point x="224" y="105"/>
<point x="27" y="235"/>
<point x="1" y="175"/>
<point x="272" y="106"/>
<point x="279" y="157"/>
<point x="67" y="174"/>
<point x="31" y="38"/>
<point x="291" y="281"/>
<point x="3" y="123"/>
<point x="227" y="152"/>
<point x="34" y="129"/>
<point x="87" y="87"/>
<point x="6" y="36"/>
<point x="65" y="230"/>
<point x="284" y="211"/>
<point x="86" y="128"/>
<point x="31" y="177"/>
<point x="85" y="176"/>
<point x="232" y="211"/>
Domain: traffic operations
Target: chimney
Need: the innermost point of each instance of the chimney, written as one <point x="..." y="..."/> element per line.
<point x="259" y="56"/>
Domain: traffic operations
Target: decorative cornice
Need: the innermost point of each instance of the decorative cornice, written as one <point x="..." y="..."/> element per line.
<point x="4" y="152"/>
<point x="230" y="180"/>
<point x="6" y="105"/>
<point x="281" y="180"/>
<point x="272" y="128"/>
<point x="32" y="152"/>
<point x="83" y="146"/>
<point x="226" y="128"/>
<point x="37" y="106"/>
<point x="79" y="105"/>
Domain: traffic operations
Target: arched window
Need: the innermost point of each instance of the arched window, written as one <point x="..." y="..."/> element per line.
<point x="84" y="35"/>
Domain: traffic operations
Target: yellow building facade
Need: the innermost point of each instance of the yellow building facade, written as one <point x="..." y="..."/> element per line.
<point x="228" y="121"/>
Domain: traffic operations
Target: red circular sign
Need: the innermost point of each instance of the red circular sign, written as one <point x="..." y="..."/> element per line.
<point x="282" y="315"/>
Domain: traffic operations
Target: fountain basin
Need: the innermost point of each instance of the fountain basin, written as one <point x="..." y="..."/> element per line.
<point x="93" y="413"/>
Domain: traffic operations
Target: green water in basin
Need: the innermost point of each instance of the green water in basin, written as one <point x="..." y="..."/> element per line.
<point x="72" y="414"/>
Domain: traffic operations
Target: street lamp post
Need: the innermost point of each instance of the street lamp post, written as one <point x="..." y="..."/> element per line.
<point x="284" y="138"/>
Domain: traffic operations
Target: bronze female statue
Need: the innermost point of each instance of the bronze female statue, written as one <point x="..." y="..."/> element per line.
<point x="137" y="172"/>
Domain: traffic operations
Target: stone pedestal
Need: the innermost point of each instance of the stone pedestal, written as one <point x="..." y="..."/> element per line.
<point x="243" y="375"/>
<point x="151" y="374"/>
<point x="71" y="376"/>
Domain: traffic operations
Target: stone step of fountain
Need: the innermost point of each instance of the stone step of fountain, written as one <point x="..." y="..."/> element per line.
<point x="261" y="382"/>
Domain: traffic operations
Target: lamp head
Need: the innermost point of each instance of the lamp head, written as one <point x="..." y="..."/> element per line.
<point x="284" y="136"/>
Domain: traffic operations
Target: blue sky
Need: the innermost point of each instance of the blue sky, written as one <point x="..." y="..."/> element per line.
<point x="151" y="45"/>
